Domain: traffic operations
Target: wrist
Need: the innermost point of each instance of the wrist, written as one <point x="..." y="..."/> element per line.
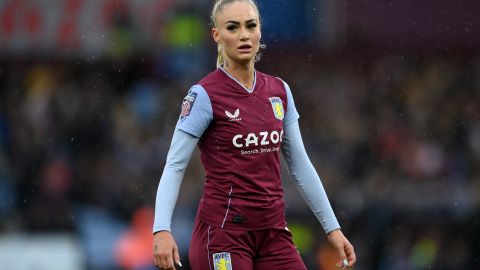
<point x="334" y="231"/>
<point x="161" y="232"/>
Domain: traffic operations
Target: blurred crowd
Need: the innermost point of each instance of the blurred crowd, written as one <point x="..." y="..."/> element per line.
<point x="394" y="135"/>
<point x="396" y="140"/>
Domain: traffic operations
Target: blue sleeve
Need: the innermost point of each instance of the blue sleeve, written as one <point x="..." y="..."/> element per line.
<point x="196" y="112"/>
<point x="181" y="150"/>
<point x="291" y="115"/>
<point x="306" y="179"/>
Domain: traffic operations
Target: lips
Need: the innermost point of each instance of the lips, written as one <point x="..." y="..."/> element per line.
<point x="245" y="48"/>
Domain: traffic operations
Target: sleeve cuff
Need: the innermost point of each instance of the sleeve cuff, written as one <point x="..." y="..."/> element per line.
<point x="330" y="226"/>
<point x="161" y="228"/>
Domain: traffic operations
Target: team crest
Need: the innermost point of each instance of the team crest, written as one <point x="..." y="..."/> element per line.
<point x="277" y="107"/>
<point x="188" y="104"/>
<point x="222" y="261"/>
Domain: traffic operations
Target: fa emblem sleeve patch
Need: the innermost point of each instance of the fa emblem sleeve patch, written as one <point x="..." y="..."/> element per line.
<point x="187" y="104"/>
<point x="222" y="261"/>
<point x="277" y="107"/>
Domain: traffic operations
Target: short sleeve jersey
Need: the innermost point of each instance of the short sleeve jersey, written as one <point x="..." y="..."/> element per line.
<point x="240" y="133"/>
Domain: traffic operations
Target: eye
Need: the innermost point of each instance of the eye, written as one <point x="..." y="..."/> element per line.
<point x="231" y="27"/>
<point x="252" y="25"/>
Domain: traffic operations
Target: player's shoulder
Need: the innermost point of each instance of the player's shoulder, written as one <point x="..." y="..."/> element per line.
<point x="269" y="77"/>
<point x="266" y="76"/>
<point x="212" y="78"/>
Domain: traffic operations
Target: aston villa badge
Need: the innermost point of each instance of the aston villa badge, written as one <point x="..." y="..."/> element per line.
<point x="277" y="107"/>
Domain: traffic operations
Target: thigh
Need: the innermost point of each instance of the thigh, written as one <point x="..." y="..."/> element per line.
<point x="278" y="252"/>
<point x="217" y="249"/>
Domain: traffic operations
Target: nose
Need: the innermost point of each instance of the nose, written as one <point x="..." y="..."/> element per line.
<point x="244" y="35"/>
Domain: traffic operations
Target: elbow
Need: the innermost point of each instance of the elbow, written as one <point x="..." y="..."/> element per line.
<point x="176" y="166"/>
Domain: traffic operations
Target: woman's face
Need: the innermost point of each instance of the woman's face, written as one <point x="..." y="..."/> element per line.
<point x="238" y="30"/>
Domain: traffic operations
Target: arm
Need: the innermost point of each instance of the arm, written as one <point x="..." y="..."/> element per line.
<point x="181" y="150"/>
<point x="304" y="175"/>
<point x="306" y="178"/>
<point x="310" y="187"/>
<point x="179" y="154"/>
<point x="194" y="120"/>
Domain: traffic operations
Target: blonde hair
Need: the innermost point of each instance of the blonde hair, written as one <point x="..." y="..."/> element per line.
<point x="218" y="7"/>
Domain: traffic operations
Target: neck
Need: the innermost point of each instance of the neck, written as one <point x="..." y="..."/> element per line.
<point x="242" y="73"/>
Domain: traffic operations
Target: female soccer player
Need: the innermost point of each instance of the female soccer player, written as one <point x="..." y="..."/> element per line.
<point x="240" y="119"/>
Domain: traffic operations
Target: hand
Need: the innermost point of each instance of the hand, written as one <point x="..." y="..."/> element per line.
<point x="165" y="251"/>
<point x="343" y="247"/>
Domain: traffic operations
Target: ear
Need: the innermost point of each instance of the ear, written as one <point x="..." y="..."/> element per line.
<point x="216" y="35"/>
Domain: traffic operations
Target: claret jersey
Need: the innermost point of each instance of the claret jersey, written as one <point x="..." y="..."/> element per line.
<point x="240" y="133"/>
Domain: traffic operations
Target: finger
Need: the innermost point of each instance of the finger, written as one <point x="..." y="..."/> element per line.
<point x="157" y="259"/>
<point x="343" y="264"/>
<point x="157" y="262"/>
<point x="351" y="257"/>
<point x="343" y="258"/>
<point x="167" y="263"/>
<point x="165" y="259"/>
<point x="176" y="256"/>
<point x="170" y="262"/>
<point x="160" y="258"/>
<point x="163" y="263"/>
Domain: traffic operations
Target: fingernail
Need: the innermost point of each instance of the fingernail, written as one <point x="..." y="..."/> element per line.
<point x="345" y="262"/>
<point x="180" y="264"/>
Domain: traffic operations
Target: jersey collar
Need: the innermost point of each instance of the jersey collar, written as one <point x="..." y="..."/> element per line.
<point x="241" y="85"/>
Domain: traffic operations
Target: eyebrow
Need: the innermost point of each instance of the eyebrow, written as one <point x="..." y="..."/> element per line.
<point x="235" y="22"/>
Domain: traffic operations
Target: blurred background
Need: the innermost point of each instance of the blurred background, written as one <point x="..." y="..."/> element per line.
<point x="90" y="92"/>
